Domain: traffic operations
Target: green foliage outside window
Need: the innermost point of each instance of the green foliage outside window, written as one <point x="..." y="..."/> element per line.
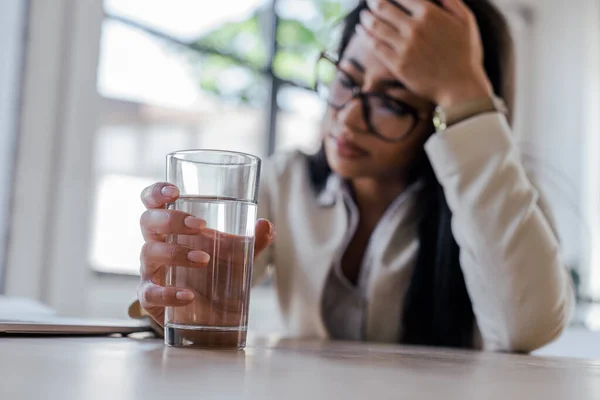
<point x="299" y="40"/>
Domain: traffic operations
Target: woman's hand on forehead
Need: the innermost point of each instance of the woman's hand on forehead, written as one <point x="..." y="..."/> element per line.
<point x="434" y="50"/>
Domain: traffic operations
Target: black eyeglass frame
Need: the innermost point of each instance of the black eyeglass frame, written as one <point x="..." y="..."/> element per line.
<point x="357" y="93"/>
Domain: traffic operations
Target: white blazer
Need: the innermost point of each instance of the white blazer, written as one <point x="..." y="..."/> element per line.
<point x="520" y="290"/>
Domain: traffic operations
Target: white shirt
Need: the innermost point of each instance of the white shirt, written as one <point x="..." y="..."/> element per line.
<point x="520" y="290"/>
<point x="344" y="304"/>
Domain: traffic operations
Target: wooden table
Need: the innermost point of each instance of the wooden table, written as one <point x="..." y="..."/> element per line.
<point x="119" y="368"/>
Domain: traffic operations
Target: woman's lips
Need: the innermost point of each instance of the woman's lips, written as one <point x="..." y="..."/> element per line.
<point x="346" y="148"/>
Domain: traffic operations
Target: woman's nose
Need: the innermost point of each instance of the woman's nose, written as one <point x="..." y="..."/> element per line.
<point x="352" y="114"/>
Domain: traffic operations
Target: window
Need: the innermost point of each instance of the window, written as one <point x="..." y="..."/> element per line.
<point x="188" y="74"/>
<point x="152" y="104"/>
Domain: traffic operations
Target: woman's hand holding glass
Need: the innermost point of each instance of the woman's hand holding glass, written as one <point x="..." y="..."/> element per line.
<point x="157" y="223"/>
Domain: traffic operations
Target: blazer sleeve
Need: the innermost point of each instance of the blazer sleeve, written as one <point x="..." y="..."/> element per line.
<point x="521" y="292"/>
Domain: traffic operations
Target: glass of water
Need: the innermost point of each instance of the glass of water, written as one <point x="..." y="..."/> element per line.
<point x="220" y="187"/>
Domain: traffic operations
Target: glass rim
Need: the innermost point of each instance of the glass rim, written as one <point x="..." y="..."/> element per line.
<point x="249" y="158"/>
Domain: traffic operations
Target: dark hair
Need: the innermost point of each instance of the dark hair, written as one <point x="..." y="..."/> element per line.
<point x="437" y="308"/>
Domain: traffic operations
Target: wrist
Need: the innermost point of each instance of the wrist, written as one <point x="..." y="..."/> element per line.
<point x="463" y="93"/>
<point x="444" y="117"/>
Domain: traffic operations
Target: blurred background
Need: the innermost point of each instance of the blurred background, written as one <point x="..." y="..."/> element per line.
<point x="94" y="94"/>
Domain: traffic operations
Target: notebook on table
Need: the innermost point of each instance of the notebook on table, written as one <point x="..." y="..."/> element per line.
<point x="27" y="317"/>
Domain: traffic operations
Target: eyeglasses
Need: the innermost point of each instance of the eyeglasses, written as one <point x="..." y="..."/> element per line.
<point x="389" y="119"/>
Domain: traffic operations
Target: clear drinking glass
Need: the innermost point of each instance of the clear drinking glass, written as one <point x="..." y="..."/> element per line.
<point x="221" y="188"/>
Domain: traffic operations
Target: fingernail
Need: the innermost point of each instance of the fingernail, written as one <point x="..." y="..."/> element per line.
<point x="194" y="223"/>
<point x="272" y="233"/>
<point x="198" y="257"/>
<point x="184" y="296"/>
<point x="365" y="18"/>
<point x="170" y="191"/>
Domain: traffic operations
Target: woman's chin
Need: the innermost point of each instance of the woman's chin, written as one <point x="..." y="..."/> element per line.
<point x="347" y="168"/>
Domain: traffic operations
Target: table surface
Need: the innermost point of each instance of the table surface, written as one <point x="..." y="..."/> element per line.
<point x="270" y="368"/>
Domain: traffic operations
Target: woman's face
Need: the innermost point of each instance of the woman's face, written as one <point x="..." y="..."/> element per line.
<point x="352" y="150"/>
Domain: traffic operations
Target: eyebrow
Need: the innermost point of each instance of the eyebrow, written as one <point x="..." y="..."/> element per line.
<point x="357" y="65"/>
<point x="393" y="84"/>
<point x="387" y="83"/>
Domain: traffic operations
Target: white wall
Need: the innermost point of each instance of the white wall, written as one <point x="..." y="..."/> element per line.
<point x="591" y="149"/>
<point x="51" y="220"/>
<point x="564" y="47"/>
<point x="12" y="40"/>
<point x="557" y="121"/>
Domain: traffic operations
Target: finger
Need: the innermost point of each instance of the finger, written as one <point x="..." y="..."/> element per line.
<point x="377" y="42"/>
<point x="384" y="52"/>
<point x="159" y="221"/>
<point x="264" y="236"/>
<point x="458" y="8"/>
<point x="157" y="254"/>
<point x="391" y="13"/>
<point x="152" y="295"/>
<point x="157" y="314"/>
<point x="416" y="8"/>
<point x="159" y="194"/>
<point x="378" y="28"/>
<point x="228" y="247"/>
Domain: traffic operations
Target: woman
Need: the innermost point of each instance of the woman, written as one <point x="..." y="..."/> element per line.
<point x="391" y="232"/>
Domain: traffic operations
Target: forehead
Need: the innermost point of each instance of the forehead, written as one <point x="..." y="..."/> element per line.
<point x="359" y="50"/>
